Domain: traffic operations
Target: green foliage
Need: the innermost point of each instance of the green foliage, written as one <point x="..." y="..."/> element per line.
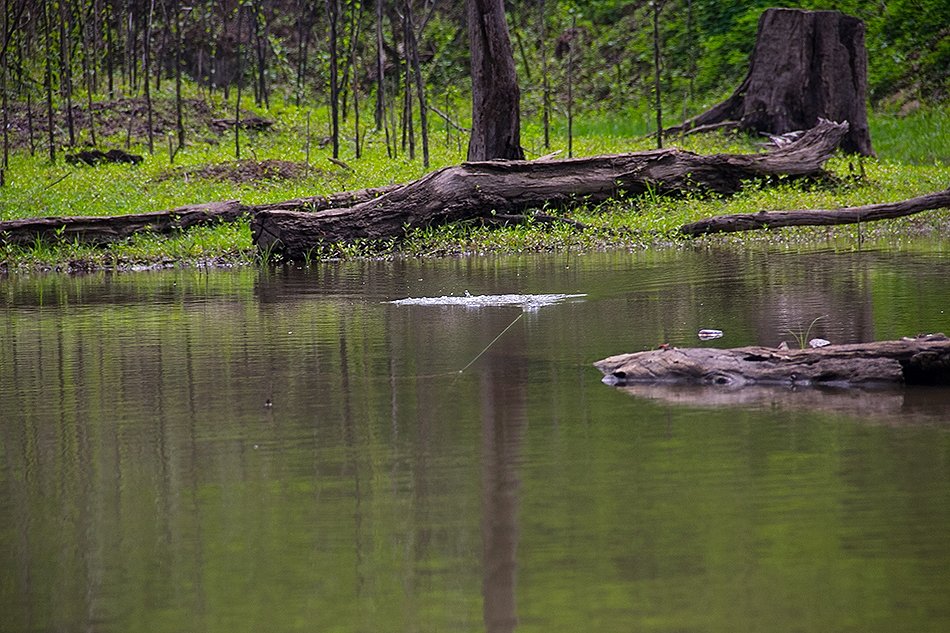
<point x="912" y="159"/>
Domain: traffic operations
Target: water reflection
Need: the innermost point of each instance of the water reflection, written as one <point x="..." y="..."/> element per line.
<point x="895" y="406"/>
<point x="144" y="484"/>
<point x="503" y="413"/>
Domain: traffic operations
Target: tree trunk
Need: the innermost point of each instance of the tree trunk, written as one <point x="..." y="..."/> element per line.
<point x="474" y="189"/>
<point x="924" y="360"/>
<point x="658" y="104"/>
<point x="147" y="66"/>
<point x="806" y="65"/>
<point x="817" y="217"/>
<point x="48" y="81"/>
<point x="333" y="13"/>
<point x="420" y="85"/>
<point x="240" y="72"/>
<point x="496" y="123"/>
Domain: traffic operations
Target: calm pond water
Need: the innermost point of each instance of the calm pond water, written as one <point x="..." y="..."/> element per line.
<point x="145" y="486"/>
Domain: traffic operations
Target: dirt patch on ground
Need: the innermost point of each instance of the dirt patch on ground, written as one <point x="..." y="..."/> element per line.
<point x="124" y="119"/>
<point x="244" y="171"/>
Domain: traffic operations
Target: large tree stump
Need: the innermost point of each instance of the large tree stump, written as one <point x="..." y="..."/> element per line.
<point x="806" y="65"/>
<point x="922" y="360"/>
<point x="473" y="190"/>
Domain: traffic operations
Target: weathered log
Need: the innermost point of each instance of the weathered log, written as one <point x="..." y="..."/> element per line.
<point x="476" y="189"/>
<point x="817" y="217"/>
<point x="106" y="229"/>
<point x="921" y="360"/>
<point x="805" y="65"/>
<point x="333" y="201"/>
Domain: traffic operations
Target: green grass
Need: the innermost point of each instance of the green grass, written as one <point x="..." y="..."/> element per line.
<point x="912" y="159"/>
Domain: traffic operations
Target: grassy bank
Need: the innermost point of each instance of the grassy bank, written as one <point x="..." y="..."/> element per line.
<point x="912" y="159"/>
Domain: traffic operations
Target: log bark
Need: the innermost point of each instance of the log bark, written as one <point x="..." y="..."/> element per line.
<point x="922" y="360"/>
<point x="805" y="65"/>
<point x="476" y="189"/>
<point x="106" y="229"/>
<point x="817" y="217"/>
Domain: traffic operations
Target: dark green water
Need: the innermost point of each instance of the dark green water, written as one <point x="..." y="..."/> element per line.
<point x="144" y="486"/>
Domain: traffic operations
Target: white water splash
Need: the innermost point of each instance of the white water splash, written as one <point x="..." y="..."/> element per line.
<point x="526" y="302"/>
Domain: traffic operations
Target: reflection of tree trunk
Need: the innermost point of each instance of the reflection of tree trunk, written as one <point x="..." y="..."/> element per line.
<point x="503" y="415"/>
<point x="349" y="440"/>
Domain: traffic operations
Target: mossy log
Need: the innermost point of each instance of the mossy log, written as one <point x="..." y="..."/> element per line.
<point x="921" y="360"/>
<point x="817" y="217"/>
<point x="477" y="189"/>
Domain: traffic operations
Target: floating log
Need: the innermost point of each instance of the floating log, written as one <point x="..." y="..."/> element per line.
<point x="817" y="217"/>
<point x="912" y="361"/>
<point x="476" y="189"/>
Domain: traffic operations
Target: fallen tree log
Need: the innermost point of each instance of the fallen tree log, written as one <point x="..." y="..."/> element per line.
<point x="817" y="217"/>
<point x="100" y="230"/>
<point x="468" y="191"/>
<point x="108" y="229"/>
<point x="921" y="360"/>
<point x="476" y="189"/>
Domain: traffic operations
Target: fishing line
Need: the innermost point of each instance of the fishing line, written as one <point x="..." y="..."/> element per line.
<point x="495" y="340"/>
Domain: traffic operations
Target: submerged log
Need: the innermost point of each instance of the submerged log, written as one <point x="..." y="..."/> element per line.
<point x="477" y="189"/>
<point x="921" y="360"/>
<point x="817" y="217"/>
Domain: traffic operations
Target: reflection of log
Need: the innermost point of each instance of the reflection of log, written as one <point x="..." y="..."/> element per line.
<point x="875" y="406"/>
<point x="924" y="360"/>
<point x="473" y="190"/>
<point x="106" y="229"/>
<point x="848" y="215"/>
<point x="805" y="65"/>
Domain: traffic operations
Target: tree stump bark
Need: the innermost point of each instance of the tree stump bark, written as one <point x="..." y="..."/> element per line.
<point x="806" y="65"/>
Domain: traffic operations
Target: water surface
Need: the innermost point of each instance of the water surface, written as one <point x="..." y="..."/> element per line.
<point x="146" y="486"/>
